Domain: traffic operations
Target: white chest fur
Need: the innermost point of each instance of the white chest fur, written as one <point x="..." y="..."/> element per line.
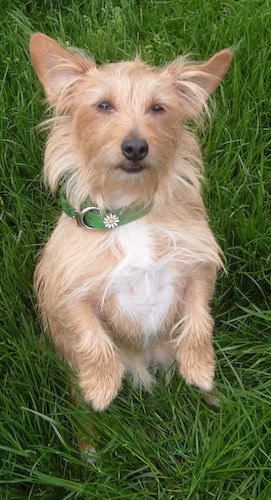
<point x="142" y="284"/>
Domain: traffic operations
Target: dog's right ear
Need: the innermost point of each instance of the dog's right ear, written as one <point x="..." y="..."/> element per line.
<point x="55" y="66"/>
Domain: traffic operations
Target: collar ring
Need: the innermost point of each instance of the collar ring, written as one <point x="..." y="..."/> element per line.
<point x="80" y="216"/>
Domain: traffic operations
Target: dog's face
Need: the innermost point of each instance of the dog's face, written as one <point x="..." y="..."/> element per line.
<point x="125" y="119"/>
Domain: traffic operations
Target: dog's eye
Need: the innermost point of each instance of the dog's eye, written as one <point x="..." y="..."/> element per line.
<point x="156" y="108"/>
<point x="105" y="106"/>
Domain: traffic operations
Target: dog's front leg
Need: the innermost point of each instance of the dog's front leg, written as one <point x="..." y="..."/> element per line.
<point x="96" y="359"/>
<point x="195" y="353"/>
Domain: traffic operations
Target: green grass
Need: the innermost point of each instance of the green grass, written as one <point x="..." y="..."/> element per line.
<point x="168" y="445"/>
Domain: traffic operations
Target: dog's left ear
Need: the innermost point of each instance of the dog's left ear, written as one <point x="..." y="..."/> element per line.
<point x="195" y="83"/>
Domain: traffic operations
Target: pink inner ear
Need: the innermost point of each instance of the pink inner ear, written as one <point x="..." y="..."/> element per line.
<point x="193" y="98"/>
<point x="57" y="77"/>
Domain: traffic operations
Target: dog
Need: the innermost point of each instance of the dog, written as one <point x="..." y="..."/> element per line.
<point x="125" y="281"/>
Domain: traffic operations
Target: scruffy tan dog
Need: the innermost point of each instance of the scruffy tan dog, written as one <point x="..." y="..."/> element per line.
<point x="125" y="280"/>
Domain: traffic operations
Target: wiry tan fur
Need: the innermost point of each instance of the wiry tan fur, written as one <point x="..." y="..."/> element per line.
<point x="128" y="298"/>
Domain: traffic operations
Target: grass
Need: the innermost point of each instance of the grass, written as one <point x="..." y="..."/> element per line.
<point x="168" y="445"/>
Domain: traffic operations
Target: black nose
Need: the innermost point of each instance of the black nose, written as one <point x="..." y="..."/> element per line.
<point x="134" y="149"/>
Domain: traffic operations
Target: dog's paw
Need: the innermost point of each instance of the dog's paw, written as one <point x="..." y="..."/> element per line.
<point x="102" y="384"/>
<point x="212" y="399"/>
<point x="87" y="452"/>
<point x="197" y="366"/>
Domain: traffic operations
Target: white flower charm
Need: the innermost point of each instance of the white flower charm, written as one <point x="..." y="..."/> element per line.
<point x="110" y="221"/>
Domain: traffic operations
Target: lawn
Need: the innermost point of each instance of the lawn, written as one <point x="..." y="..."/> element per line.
<point x="170" y="444"/>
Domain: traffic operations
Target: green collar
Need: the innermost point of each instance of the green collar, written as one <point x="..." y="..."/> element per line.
<point x="90" y="217"/>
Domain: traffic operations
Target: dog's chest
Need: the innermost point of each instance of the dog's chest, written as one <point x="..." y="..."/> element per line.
<point x="143" y="283"/>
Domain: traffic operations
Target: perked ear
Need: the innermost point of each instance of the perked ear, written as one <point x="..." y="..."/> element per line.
<point x="194" y="83"/>
<point x="55" y="66"/>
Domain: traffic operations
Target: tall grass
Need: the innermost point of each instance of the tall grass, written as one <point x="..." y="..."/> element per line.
<point x="167" y="445"/>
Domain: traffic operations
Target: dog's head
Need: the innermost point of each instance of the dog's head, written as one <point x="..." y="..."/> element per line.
<point x="119" y="128"/>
